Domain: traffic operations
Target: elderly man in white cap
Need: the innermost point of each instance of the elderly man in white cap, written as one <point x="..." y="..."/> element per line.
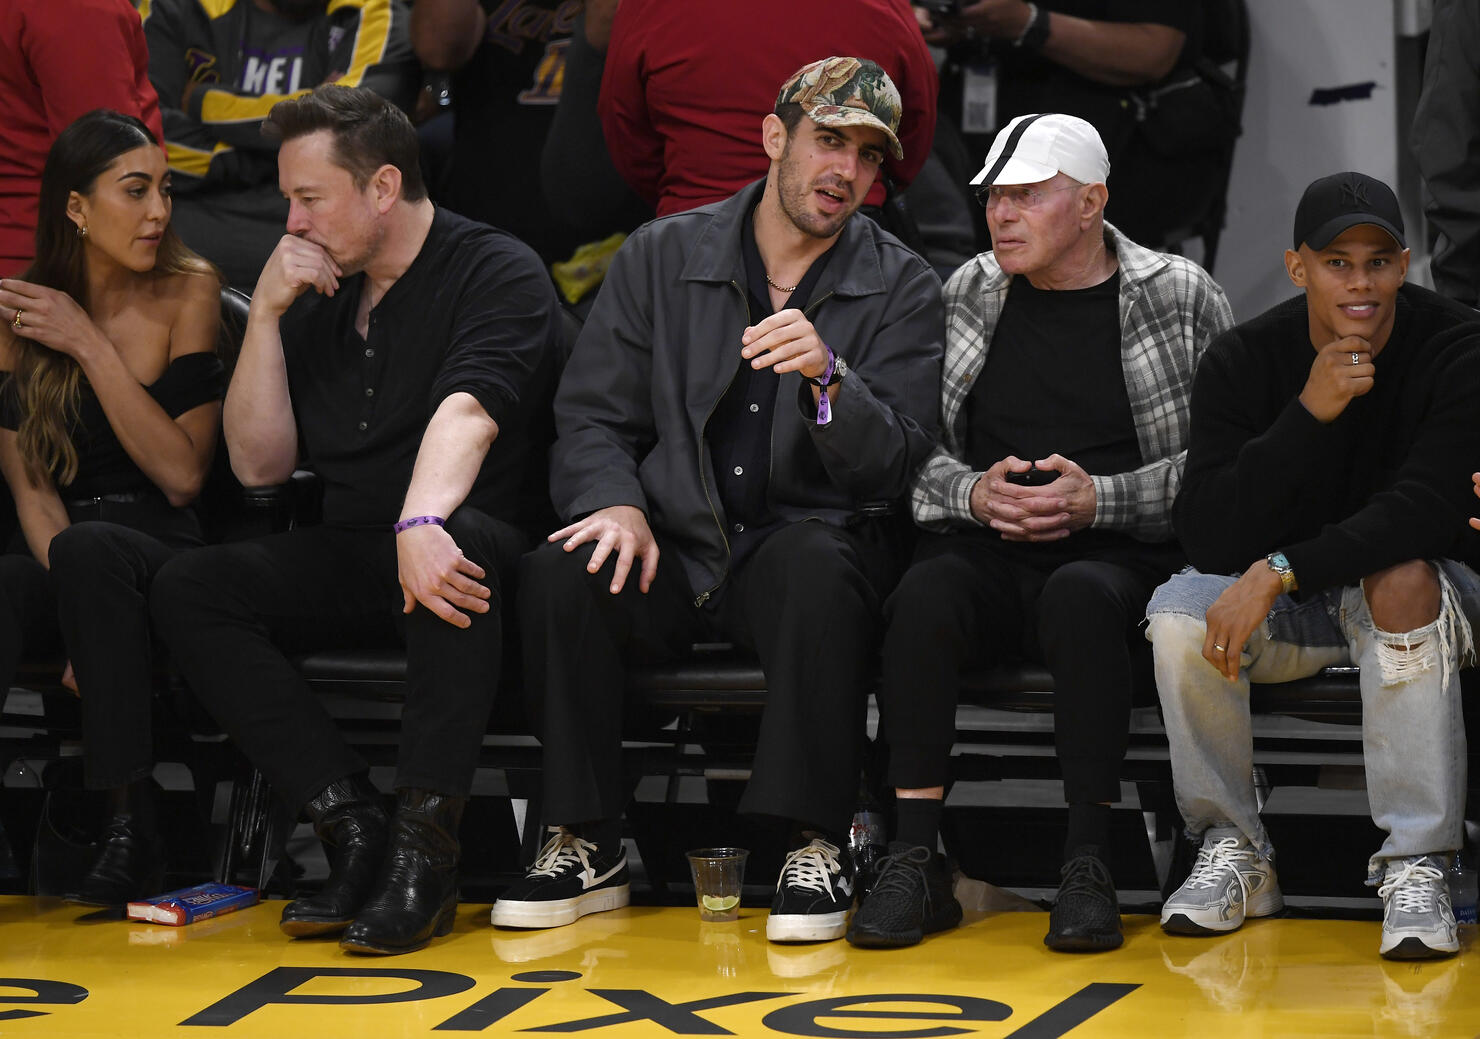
<point x="1046" y="509"/>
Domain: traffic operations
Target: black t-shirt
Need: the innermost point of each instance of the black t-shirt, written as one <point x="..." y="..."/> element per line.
<point x="474" y="313"/>
<point x="1053" y="382"/>
<point x="103" y="466"/>
<point x="504" y="101"/>
<point x="739" y="431"/>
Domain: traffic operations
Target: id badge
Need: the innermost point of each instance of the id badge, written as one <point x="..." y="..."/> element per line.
<point x="979" y="97"/>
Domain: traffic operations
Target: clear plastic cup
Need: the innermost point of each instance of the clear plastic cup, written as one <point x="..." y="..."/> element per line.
<point x="718" y="874"/>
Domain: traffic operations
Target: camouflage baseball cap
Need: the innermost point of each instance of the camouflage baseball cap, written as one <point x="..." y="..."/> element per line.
<point x="846" y="92"/>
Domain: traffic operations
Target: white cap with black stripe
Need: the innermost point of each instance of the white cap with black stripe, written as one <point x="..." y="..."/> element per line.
<point x="1033" y="148"/>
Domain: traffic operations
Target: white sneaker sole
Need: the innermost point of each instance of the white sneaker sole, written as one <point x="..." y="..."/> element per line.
<point x="1177" y="919"/>
<point x="1413" y="946"/>
<point x="806" y="927"/>
<point x="559" y="912"/>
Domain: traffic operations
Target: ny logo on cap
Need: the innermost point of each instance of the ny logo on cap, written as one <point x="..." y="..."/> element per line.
<point x="1354" y="193"/>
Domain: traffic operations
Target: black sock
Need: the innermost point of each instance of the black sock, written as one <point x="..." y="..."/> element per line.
<point x="1089" y="824"/>
<point x="606" y="834"/>
<point x="917" y="820"/>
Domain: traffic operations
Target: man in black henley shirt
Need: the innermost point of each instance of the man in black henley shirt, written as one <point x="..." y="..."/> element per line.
<point x="406" y="381"/>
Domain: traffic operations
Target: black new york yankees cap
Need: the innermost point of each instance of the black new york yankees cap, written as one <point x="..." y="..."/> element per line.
<point x="1342" y="200"/>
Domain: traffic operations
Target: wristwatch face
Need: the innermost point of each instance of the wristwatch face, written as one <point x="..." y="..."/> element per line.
<point x="840" y="369"/>
<point x="1277" y="562"/>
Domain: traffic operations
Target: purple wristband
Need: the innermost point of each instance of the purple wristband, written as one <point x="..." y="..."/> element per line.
<point x="824" y="406"/>
<point x="417" y="521"/>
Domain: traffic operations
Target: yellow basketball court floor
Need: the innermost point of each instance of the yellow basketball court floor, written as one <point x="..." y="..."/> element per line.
<point x="65" y="971"/>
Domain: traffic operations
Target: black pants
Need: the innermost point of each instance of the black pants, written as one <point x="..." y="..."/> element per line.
<point x="93" y="607"/>
<point x="970" y="599"/>
<point x="229" y="613"/>
<point x="807" y="600"/>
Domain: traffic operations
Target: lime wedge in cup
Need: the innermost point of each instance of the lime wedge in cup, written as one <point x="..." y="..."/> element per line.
<point x="721" y="903"/>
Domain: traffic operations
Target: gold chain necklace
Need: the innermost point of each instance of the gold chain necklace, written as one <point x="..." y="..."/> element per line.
<point x="788" y="289"/>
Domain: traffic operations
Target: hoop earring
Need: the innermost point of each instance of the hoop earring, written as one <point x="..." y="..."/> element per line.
<point x="81" y="230"/>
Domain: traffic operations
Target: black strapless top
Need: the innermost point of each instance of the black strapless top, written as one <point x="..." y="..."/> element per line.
<point x="104" y="467"/>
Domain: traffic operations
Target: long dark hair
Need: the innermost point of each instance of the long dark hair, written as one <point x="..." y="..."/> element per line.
<point x="47" y="382"/>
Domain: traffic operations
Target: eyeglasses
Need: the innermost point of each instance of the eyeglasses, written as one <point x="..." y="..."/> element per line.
<point x="1020" y="196"/>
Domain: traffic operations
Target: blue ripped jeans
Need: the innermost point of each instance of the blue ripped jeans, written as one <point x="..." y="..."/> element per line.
<point x="1413" y="736"/>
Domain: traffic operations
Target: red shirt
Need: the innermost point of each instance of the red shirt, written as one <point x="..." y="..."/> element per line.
<point x="687" y="84"/>
<point x="60" y="59"/>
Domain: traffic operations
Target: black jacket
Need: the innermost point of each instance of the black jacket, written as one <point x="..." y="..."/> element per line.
<point x="663" y="343"/>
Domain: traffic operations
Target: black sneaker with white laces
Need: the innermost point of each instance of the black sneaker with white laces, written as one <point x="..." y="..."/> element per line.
<point x="570" y="878"/>
<point x="911" y="898"/>
<point x="1086" y="914"/>
<point x="813" y="896"/>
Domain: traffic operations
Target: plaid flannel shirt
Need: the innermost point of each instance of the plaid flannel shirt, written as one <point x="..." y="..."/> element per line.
<point x="1170" y="310"/>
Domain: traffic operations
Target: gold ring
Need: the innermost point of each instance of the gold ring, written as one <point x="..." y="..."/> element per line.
<point x="16" y="321"/>
<point x="1220" y="649"/>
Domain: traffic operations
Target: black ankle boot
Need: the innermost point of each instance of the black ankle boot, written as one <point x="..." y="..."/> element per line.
<point x="415" y="895"/>
<point x="130" y="862"/>
<point x="348" y="818"/>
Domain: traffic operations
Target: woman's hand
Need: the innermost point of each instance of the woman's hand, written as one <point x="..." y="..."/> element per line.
<point x="50" y="317"/>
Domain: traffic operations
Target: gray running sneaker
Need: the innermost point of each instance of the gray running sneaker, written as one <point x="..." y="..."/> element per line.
<point x="1417" y="919"/>
<point x="1229" y="882"/>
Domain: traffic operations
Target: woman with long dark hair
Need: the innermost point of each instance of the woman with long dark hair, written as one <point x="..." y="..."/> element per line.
<point x="108" y="420"/>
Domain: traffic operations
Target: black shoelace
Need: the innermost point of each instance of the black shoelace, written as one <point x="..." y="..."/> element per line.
<point x="897" y="873"/>
<point x="1085" y="875"/>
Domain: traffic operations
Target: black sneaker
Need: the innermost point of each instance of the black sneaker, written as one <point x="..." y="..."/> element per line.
<point x="813" y="895"/>
<point x="570" y="878"/>
<point x="1086" y="914"/>
<point x="911" y="898"/>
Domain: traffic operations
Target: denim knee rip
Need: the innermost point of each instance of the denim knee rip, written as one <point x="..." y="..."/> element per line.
<point x="1447" y="640"/>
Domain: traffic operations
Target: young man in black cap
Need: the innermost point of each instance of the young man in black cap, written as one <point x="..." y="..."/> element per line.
<point x="1332" y="442"/>
<point x="708" y="411"/>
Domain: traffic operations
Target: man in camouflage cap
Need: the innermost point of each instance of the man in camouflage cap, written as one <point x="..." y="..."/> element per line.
<point x="757" y="373"/>
<point x="846" y="92"/>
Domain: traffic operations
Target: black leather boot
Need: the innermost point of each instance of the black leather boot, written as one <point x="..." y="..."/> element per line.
<point x="415" y="895"/>
<point x="130" y="862"/>
<point x="348" y="817"/>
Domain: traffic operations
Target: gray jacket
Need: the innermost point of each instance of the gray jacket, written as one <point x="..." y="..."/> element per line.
<point x="663" y="343"/>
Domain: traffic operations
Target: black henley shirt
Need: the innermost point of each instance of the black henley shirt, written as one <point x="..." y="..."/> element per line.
<point x="474" y="313"/>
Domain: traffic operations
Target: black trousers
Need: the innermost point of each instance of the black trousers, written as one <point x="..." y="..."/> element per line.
<point x="229" y="613"/>
<point x="93" y="607"/>
<point x="971" y="599"/>
<point x="807" y="601"/>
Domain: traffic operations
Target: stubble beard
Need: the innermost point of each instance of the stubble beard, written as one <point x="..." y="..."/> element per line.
<point x="794" y="196"/>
